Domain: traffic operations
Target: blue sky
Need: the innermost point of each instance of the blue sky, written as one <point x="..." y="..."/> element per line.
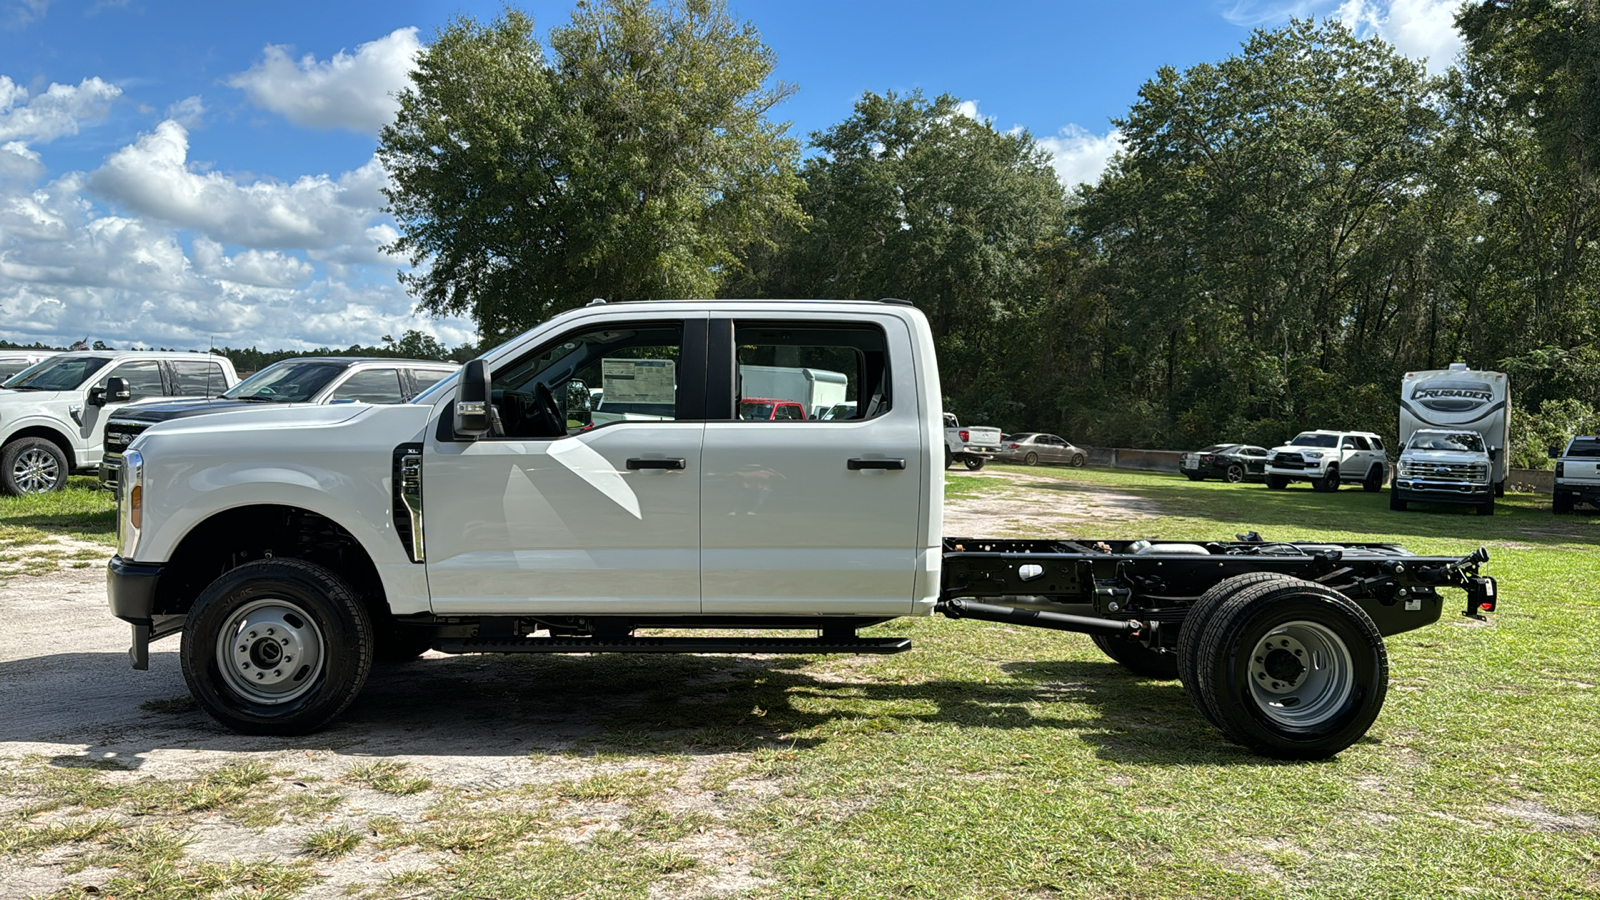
<point x="178" y="174"/>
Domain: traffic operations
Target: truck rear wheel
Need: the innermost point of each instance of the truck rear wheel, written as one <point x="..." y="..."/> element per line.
<point x="974" y="463"/>
<point x="1187" y="657"/>
<point x="1374" y="480"/>
<point x="1137" y="658"/>
<point x="1292" y="669"/>
<point x="1560" y="503"/>
<point x="276" y="646"/>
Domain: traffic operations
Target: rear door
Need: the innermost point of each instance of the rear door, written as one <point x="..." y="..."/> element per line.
<point x="814" y="516"/>
<point x="600" y="520"/>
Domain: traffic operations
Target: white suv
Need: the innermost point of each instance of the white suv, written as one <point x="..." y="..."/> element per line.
<point x="1328" y="459"/>
<point x="53" y="414"/>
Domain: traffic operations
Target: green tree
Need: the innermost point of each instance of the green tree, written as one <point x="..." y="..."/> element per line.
<point x="632" y="163"/>
<point x="914" y="198"/>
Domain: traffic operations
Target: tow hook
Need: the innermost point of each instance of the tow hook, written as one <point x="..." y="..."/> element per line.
<point x="1481" y="594"/>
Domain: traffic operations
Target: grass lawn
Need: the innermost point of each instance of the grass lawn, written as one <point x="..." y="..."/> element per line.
<point x="1001" y="762"/>
<point x="30" y="524"/>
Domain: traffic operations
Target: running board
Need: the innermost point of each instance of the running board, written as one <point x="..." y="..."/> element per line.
<point x="672" y="645"/>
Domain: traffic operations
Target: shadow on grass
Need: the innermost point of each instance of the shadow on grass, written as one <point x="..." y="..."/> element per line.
<point x="618" y="705"/>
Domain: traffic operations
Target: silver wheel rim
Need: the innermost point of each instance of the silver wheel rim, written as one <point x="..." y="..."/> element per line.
<point x="35" y="471"/>
<point x="1300" y="674"/>
<point x="270" y="652"/>
<point x="1235" y="474"/>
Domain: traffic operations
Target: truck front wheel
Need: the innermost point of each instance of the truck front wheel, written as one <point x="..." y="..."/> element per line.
<point x="1137" y="658"/>
<point x="1292" y="669"/>
<point x="276" y="646"/>
<point x="32" y="466"/>
<point x="1329" y="482"/>
<point x="1277" y="482"/>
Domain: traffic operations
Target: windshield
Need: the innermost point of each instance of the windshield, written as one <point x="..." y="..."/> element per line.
<point x="1310" y="439"/>
<point x="1468" y="442"/>
<point x="289" y="381"/>
<point x="1584" y="447"/>
<point x="62" y="373"/>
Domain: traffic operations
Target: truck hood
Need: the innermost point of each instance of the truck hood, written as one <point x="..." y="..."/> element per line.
<point x="178" y="409"/>
<point x="1444" y="457"/>
<point x="14" y="398"/>
<point x="1298" y="448"/>
<point x="254" y="418"/>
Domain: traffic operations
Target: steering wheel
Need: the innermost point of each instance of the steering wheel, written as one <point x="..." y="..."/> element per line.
<point x="552" y="419"/>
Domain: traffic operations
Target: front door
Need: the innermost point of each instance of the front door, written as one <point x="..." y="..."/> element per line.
<point x="814" y="516"/>
<point x="144" y="382"/>
<point x="586" y="515"/>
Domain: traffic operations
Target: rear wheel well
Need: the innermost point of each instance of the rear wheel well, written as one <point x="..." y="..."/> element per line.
<point x="234" y="537"/>
<point x="51" y="435"/>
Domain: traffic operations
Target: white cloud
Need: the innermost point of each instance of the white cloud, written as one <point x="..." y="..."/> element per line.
<point x="348" y="91"/>
<point x="18" y="163"/>
<point x="1420" y="29"/>
<point x="54" y="113"/>
<point x="188" y="112"/>
<point x="315" y="213"/>
<point x="1079" y="155"/>
<point x="262" y="268"/>
<point x="1254" y="13"/>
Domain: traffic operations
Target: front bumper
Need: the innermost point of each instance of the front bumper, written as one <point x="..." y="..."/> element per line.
<point x="1424" y="490"/>
<point x="131" y="593"/>
<point x="1309" y="471"/>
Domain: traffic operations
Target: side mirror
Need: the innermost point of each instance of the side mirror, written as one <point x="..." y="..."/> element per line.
<point x="472" y="409"/>
<point x="1494" y="453"/>
<point x="117" y="390"/>
<point x="1553" y="452"/>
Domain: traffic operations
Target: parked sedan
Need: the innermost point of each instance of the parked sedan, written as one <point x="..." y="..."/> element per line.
<point x="1230" y="462"/>
<point x="1031" y="449"/>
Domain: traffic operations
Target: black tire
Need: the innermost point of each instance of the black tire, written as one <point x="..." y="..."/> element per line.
<point x="974" y="463"/>
<point x="1188" y="657"/>
<point x="1373" y="483"/>
<point x="1395" y="503"/>
<point x="1234" y="474"/>
<point x="1328" y="483"/>
<point x="1560" y="503"/>
<point x="1256" y="683"/>
<point x="1486" y="508"/>
<point x="949" y="458"/>
<point x="32" y="466"/>
<point x="1032" y="459"/>
<point x="1137" y="658"/>
<point x="1500" y="488"/>
<point x="314" y="614"/>
<point x="1194" y="476"/>
<point x="1078" y="459"/>
<point x="1277" y="482"/>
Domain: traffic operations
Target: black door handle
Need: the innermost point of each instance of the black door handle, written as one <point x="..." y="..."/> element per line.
<point x="637" y="463"/>
<point x="858" y="464"/>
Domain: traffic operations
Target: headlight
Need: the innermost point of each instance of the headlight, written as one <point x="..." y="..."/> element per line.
<point x="130" y="503"/>
<point x="1403" y="469"/>
<point x="1311" y="454"/>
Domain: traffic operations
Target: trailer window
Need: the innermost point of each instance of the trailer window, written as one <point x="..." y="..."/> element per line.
<point x="802" y="372"/>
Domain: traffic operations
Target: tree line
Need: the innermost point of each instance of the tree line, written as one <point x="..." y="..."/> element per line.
<point x="1284" y="233"/>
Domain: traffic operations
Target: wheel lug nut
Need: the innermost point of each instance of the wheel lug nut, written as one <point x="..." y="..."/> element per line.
<point x="270" y="631"/>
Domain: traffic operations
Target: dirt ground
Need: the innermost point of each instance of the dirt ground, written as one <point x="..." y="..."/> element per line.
<point x="466" y="723"/>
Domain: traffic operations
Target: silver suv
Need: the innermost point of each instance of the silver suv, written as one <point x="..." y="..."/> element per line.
<point x="1328" y="459"/>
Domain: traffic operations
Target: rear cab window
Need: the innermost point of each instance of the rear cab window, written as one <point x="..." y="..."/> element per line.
<point x="810" y="372"/>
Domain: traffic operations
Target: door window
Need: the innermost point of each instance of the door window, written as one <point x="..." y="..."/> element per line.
<point x="422" y="379"/>
<point x="144" y="379"/>
<point x="603" y="376"/>
<point x="370" y="386"/>
<point x="810" y="370"/>
<point x="198" y="378"/>
<point x="1361" y="443"/>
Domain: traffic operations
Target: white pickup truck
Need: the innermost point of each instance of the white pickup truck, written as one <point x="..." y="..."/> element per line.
<point x="1577" y="474"/>
<point x="293" y="546"/>
<point x="971" y="445"/>
<point x="53" y="414"/>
